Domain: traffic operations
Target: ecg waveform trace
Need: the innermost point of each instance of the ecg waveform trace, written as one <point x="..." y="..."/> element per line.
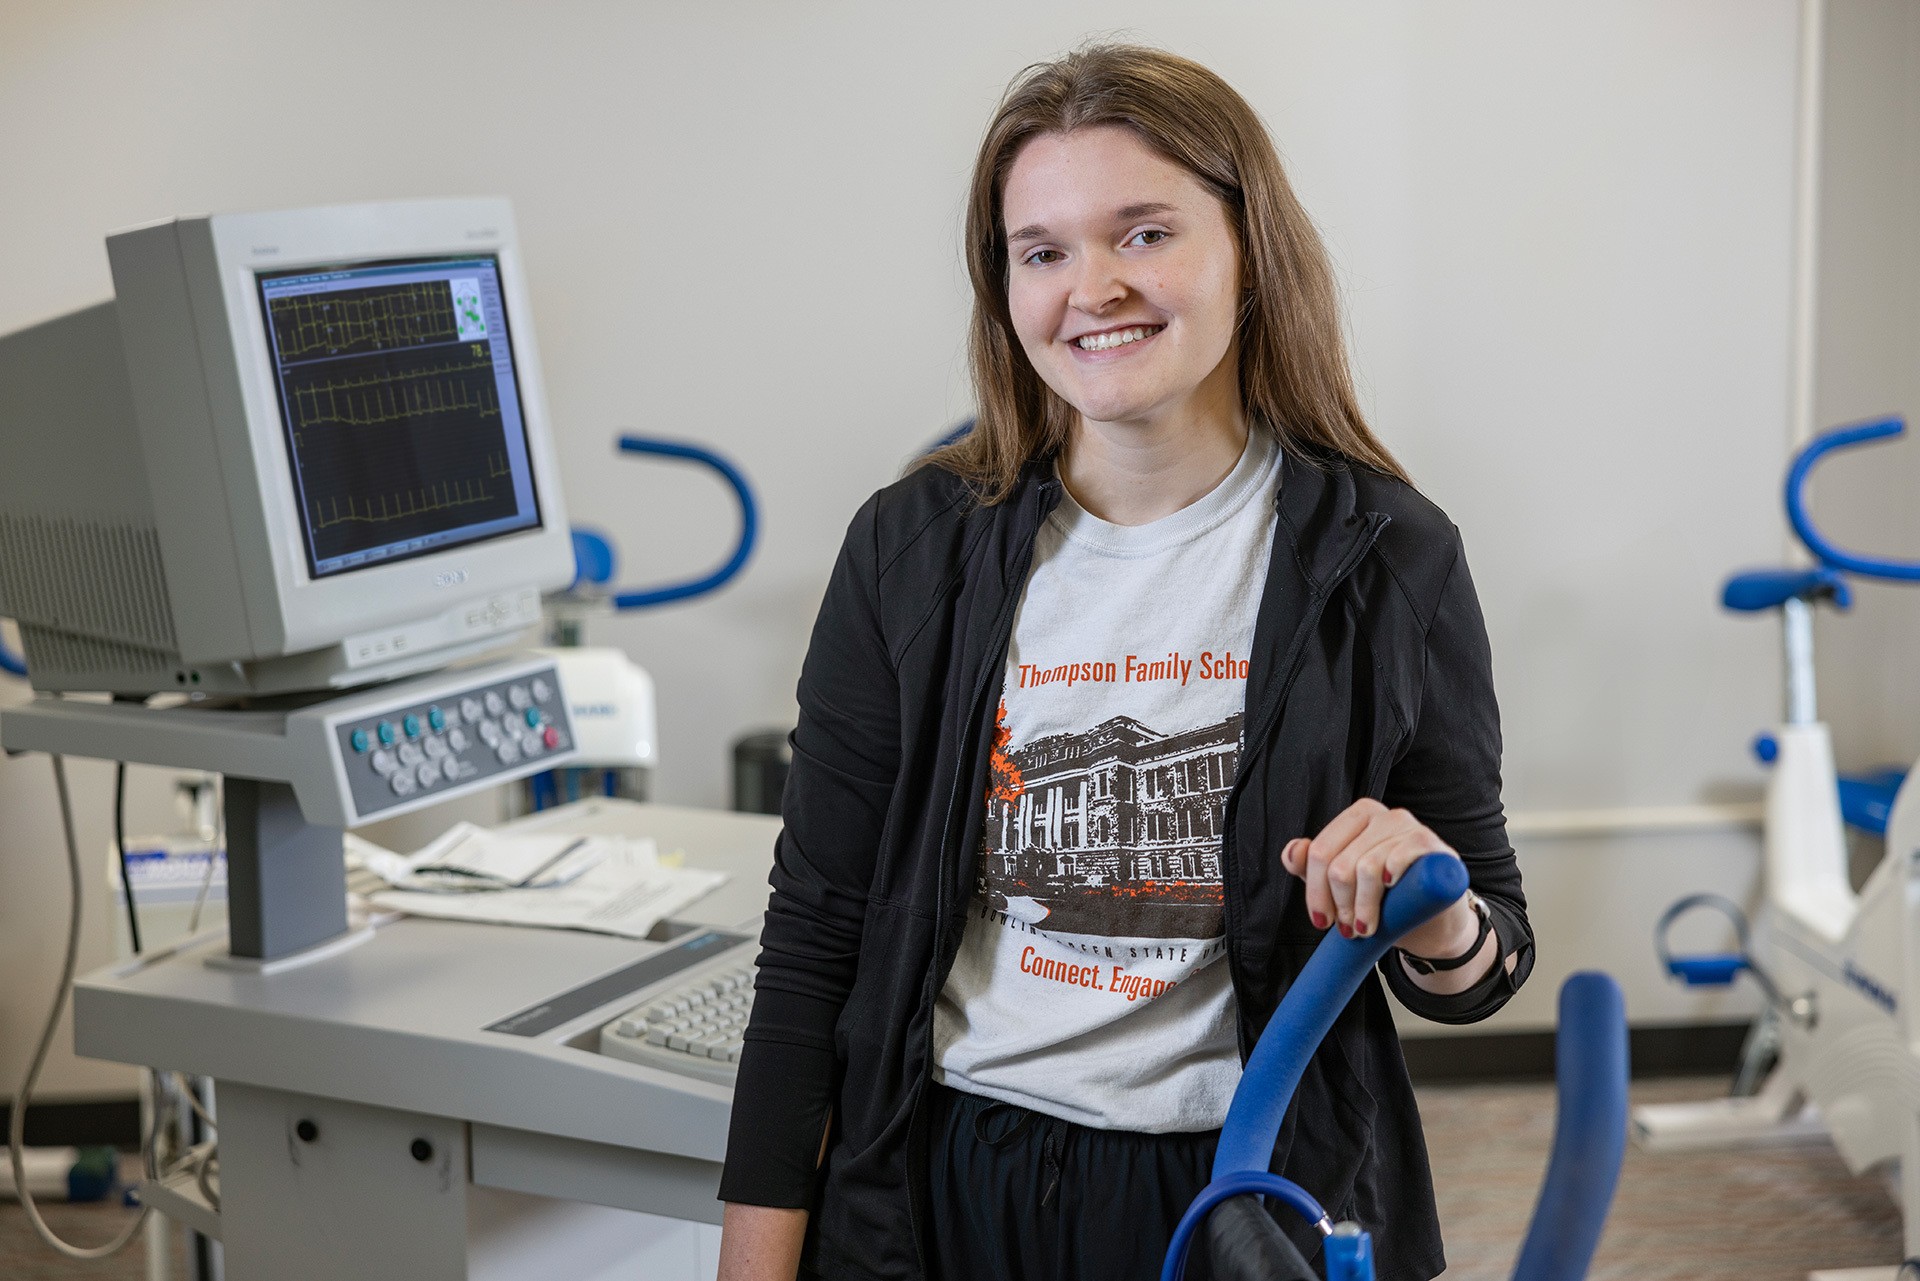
<point x="363" y="401"/>
<point x="384" y="508"/>
<point x="396" y="424"/>
<point x="357" y="320"/>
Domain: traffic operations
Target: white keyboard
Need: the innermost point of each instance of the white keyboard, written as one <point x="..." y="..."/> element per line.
<point x="691" y="1023"/>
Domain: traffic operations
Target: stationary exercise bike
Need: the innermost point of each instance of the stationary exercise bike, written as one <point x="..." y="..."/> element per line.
<point x="1839" y="970"/>
<point x="1589" y="1142"/>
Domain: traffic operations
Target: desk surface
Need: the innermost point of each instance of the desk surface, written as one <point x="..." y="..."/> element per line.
<point x="399" y="1020"/>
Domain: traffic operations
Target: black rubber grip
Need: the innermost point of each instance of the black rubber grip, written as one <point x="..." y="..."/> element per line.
<point x="1245" y="1244"/>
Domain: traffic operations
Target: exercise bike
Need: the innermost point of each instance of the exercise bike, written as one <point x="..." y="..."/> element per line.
<point x="1838" y="969"/>
<point x="1590" y="1135"/>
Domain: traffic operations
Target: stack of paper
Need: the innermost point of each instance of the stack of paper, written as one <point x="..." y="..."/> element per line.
<point x="607" y="884"/>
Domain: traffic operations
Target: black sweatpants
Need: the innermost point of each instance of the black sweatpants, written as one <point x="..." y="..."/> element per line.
<point x="1022" y="1196"/>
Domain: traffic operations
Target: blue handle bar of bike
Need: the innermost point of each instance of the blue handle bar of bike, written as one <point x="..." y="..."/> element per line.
<point x="1589" y="1133"/>
<point x="749" y="523"/>
<point x="1306" y="1014"/>
<point x="1830" y="555"/>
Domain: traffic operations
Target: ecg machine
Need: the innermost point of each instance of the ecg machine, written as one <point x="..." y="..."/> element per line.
<point x="291" y="498"/>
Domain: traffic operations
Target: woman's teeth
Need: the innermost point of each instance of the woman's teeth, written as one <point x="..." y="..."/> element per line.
<point x="1116" y="337"/>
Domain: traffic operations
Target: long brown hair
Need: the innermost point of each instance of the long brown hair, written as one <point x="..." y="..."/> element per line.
<point x="1293" y="360"/>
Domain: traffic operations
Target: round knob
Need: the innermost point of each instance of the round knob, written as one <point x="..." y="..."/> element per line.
<point x="307" y="1130"/>
<point x="422" y="1150"/>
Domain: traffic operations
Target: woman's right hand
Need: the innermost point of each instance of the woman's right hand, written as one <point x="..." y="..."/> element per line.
<point x="760" y="1243"/>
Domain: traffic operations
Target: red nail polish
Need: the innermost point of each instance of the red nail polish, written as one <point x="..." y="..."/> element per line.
<point x="1362" y="928"/>
<point x="1346" y="931"/>
<point x="1319" y="921"/>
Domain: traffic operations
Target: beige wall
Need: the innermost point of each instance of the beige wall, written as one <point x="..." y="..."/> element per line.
<point x="1869" y="366"/>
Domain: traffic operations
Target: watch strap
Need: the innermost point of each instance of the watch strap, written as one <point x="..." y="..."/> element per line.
<point x="1428" y="965"/>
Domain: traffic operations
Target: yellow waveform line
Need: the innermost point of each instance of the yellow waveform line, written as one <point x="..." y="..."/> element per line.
<point x="400" y="506"/>
<point x="385" y="398"/>
<point x="409" y="315"/>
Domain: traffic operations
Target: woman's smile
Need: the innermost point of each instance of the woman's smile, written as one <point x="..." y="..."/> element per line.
<point x="1105" y="344"/>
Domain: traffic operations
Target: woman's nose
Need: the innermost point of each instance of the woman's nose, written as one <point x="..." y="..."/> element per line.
<point x="1096" y="286"/>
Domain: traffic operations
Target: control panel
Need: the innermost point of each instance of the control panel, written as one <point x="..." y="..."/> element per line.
<point x="417" y="742"/>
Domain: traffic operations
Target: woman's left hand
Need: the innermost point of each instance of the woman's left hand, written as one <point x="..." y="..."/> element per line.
<point x="1349" y="865"/>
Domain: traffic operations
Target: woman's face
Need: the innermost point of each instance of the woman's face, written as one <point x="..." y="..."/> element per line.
<point x="1123" y="277"/>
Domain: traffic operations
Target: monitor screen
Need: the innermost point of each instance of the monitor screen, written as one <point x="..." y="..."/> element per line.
<point x="402" y="411"/>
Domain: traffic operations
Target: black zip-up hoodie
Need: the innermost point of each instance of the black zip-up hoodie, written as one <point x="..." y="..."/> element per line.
<point x="1370" y="677"/>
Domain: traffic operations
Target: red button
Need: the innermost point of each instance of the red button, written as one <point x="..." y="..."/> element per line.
<point x="551" y="737"/>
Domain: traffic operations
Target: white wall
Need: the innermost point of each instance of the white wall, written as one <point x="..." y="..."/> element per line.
<point x="1565" y="231"/>
<point x="1869" y="366"/>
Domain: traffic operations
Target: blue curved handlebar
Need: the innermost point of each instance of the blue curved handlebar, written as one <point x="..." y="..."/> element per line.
<point x="1306" y="1014"/>
<point x="1225" y="1187"/>
<point x="1589" y="1133"/>
<point x="749" y="523"/>
<point x="1828" y="554"/>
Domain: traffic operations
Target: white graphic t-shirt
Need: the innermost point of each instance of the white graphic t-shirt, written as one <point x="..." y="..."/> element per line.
<point x="1092" y="980"/>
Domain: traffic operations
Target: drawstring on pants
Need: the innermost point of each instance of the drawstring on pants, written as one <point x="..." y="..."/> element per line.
<point x="1051" y="1142"/>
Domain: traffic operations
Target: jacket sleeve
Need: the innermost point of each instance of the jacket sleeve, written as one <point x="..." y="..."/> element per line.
<point x="1449" y="779"/>
<point x="845" y="755"/>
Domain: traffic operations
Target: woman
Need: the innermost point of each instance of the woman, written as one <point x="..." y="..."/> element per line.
<point x="1111" y="710"/>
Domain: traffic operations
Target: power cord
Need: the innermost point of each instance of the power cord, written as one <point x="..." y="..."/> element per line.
<point x="120" y="844"/>
<point x="218" y="851"/>
<point x="23" y="1097"/>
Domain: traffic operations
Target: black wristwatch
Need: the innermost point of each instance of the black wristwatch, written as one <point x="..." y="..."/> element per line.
<point x="1425" y="965"/>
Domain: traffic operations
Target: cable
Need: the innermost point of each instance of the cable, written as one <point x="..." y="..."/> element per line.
<point x="23" y="1097"/>
<point x="218" y="851"/>
<point x="120" y="844"/>
<point x="193" y="1101"/>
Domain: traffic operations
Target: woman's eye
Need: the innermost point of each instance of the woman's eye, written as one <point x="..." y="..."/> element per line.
<point x="1147" y="236"/>
<point x="1042" y="257"/>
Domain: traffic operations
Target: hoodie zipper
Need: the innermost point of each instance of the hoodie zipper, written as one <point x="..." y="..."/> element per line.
<point x="1257" y="736"/>
<point x="995" y="665"/>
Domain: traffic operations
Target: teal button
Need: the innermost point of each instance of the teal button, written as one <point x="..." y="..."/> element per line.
<point x="360" y="740"/>
<point x="533" y="718"/>
<point x="412" y="724"/>
<point x="437" y="719"/>
<point x="387" y="733"/>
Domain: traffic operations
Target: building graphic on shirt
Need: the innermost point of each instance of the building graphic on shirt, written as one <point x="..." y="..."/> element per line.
<point x="1114" y="831"/>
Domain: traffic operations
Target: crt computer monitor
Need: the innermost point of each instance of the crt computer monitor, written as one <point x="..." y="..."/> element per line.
<point x="298" y="451"/>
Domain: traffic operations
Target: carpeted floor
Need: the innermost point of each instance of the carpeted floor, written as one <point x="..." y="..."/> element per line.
<point x="1753" y="1216"/>
<point x="1769" y="1215"/>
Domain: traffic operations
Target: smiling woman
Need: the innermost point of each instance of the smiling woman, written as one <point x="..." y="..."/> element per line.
<point x="1199" y="142"/>
<point x="1015" y="945"/>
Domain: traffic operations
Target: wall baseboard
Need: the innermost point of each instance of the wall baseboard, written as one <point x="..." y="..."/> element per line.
<point x="1695" y="1049"/>
<point x="86" y="1123"/>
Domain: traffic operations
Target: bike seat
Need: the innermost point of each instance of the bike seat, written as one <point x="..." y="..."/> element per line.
<point x="1757" y="589"/>
<point x="1866" y="800"/>
<point x="1714" y="970"/>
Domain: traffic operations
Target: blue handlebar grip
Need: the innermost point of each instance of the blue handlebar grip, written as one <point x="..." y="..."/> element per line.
<point x="1589" y="1134"/>
<point x="1330" y="978"/>
<point x="1827" y="553"/>
<point x="749" y="523"/>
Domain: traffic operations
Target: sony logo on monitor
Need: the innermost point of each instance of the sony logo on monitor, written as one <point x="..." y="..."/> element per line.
<point x="450" y="578"/>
